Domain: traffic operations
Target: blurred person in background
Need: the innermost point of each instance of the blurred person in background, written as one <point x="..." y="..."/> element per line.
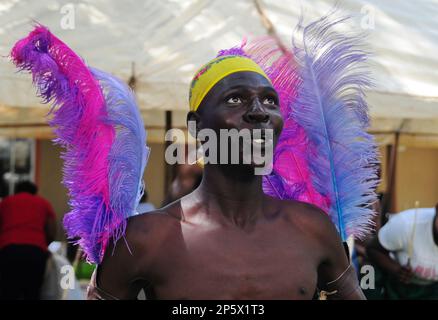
<point x="406" y="250"/>
<point x="375" y="292"/>
<point x="3" y="188"/>
<point x="360" y="248"/>
<point x="27" y="226"/>
<point x="187" y="178"/>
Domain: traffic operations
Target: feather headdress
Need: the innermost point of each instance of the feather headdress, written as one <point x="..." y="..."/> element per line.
<point x="324" y="155"/>
<point x="290" y="177"/>
<point x="95" y="118"/>
<point x="332" y="109"/>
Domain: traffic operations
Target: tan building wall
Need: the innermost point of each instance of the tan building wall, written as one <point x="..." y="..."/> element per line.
<point x="154" y="175"/>
<point x="49" y="177"/>
<point x="417" y="177"/>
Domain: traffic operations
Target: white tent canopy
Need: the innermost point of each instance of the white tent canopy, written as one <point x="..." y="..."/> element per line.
<point x="168" y="40"/>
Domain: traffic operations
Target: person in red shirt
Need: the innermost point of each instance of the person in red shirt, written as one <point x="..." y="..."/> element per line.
<point x="27" y="226"/>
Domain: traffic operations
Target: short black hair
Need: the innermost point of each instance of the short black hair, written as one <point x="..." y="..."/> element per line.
<point x="26" y="186"/>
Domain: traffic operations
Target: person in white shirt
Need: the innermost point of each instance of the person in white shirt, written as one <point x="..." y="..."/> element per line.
<point x="406" y="248"/>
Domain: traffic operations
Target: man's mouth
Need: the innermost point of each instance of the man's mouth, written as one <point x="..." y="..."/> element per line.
<point x="262" y="138"/>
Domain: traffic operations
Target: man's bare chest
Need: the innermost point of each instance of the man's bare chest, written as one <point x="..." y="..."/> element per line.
<point x="227" y="265"/>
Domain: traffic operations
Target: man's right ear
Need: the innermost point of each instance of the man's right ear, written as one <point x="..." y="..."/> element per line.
<point x="193" y="123"/>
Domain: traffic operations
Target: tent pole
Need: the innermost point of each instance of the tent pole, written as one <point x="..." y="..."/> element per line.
<point x="392" y="207"/>
<point x="389" y="197"/>
<point x="269" y="26"/>
<point x="389" y="201"/>
<point x="168" y="170"/>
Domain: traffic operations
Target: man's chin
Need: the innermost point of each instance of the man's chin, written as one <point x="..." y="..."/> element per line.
<point x="260" y="166"/>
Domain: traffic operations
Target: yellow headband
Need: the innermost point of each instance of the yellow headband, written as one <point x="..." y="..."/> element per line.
<point x="214" y="71"/>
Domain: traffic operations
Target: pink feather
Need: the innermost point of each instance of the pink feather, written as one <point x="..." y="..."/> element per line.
<point x="290" y="166"/>
<point x="81" y="126"/>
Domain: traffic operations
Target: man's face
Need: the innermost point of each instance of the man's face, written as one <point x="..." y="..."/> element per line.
<point x="243" y="100"/>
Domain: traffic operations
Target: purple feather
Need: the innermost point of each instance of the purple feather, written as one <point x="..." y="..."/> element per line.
<point x="129" y="153"/>
<point x="102" y="132"/>
<point x="290" y="178"/>
<point x="331" y="108"/>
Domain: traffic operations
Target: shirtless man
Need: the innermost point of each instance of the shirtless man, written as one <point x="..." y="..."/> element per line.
<point x="227" y="239"/>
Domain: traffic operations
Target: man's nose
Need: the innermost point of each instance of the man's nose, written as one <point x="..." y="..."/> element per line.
<point x="256" y="113"/>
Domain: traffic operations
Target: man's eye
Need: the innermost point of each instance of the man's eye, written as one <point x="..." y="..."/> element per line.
<point x="234" y="100"/>
<point x="269" y="101"/>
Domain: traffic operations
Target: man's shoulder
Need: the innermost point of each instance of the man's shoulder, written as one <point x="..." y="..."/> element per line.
<point x="309" y="219"/>
<point x="403" y="222"/>
<point x="304" y="213"/>
<point x="153" y="224"/>
<point x="41" y="200"/>
<point x="420" y="214"/>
